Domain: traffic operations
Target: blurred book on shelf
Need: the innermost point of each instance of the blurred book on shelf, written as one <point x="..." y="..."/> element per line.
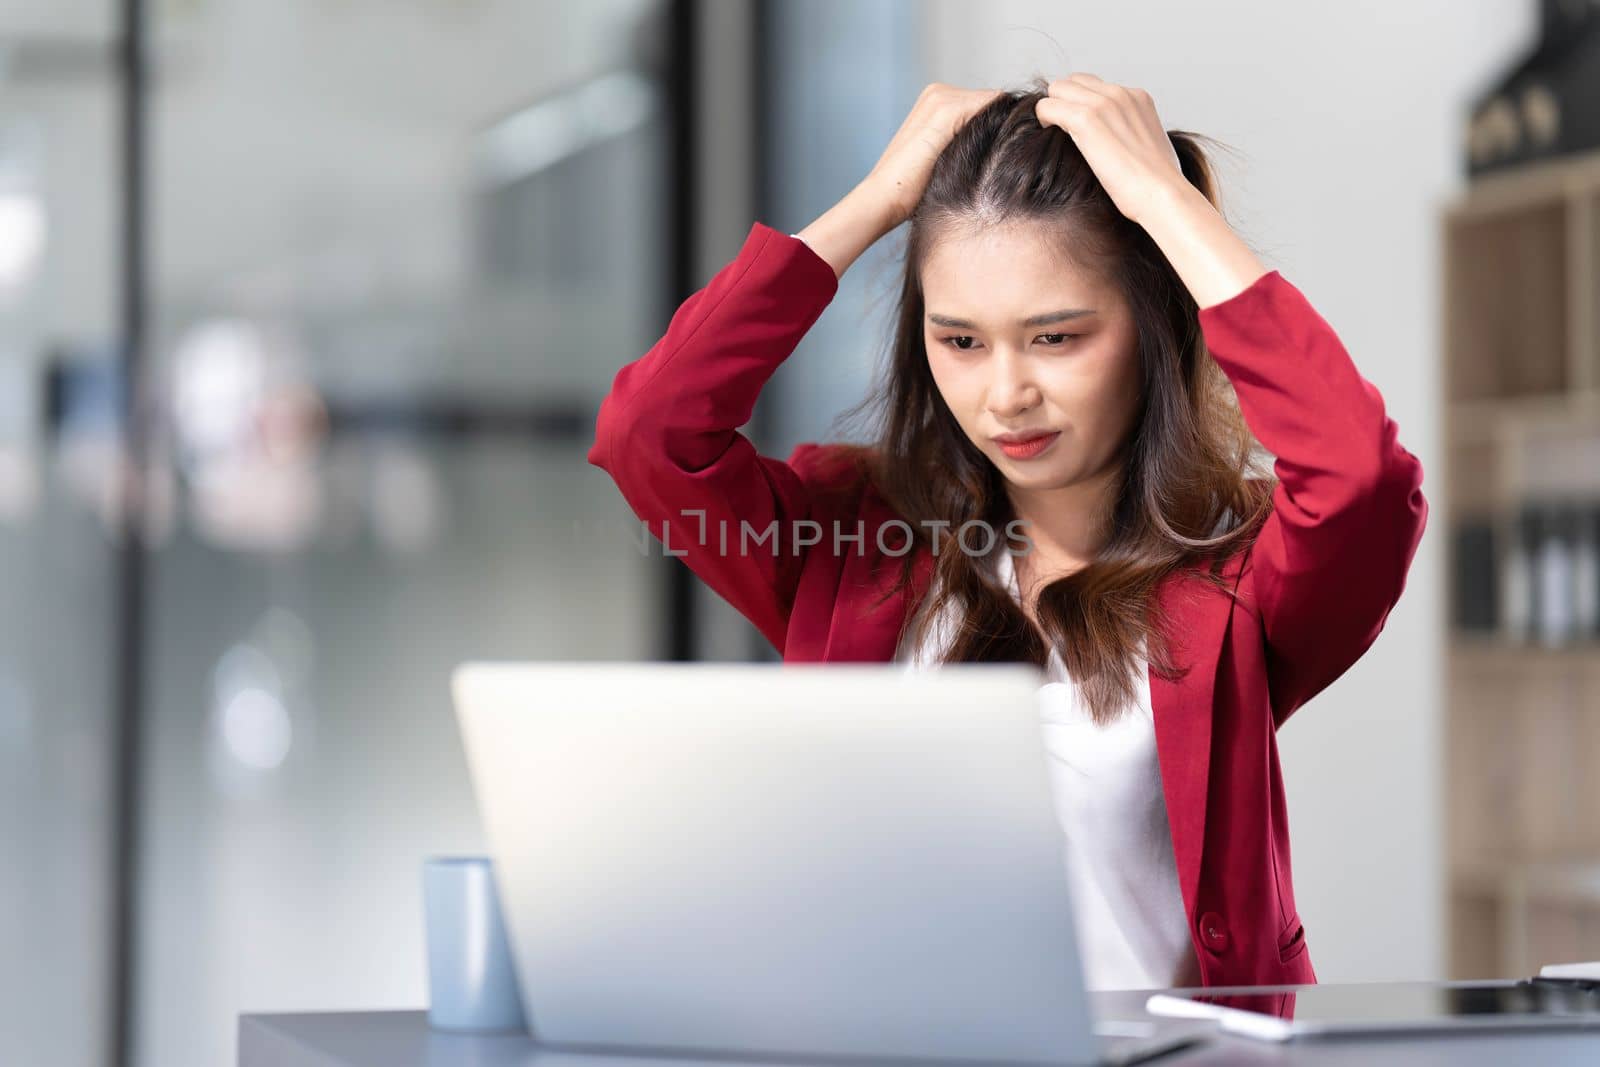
<point x="1535" y="579"/>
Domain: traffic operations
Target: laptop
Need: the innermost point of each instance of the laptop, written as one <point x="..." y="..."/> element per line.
<point x="849" y="861"/>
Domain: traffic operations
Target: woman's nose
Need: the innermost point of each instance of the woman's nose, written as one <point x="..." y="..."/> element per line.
<point x="1011" y="392"/>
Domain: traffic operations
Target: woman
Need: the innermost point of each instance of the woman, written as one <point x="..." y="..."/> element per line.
<point x="1061" y="477"/>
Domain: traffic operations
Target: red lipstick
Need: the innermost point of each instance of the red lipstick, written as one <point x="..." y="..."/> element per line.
<point x="1026" y="446"/>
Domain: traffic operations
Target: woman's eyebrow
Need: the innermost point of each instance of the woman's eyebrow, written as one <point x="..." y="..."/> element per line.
<point x="1046" y="319"/>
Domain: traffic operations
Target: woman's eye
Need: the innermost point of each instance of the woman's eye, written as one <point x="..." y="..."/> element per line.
<point x="964" y="343"/>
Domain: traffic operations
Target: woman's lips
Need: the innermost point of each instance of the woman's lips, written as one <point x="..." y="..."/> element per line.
<point x="1029" y="448"/>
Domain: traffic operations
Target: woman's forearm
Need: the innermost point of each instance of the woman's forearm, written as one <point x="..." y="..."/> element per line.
<point x="1212" y="260"/>
<point x="847" y="229"/>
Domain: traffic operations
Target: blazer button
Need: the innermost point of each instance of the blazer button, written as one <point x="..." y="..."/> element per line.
<point x="1213" y="933"/>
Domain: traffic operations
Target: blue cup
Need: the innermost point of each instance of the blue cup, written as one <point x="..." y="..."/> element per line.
<point x="472" y="984"/>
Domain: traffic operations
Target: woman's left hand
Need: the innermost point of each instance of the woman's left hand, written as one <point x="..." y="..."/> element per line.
<point x="1121" y="137"/>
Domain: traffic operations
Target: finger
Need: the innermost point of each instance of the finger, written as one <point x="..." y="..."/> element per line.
<point x="1077" y="81"/>
<point x="959" y="105"/>
<point x="1077" y="103"/>
<point x="1092" y="81"/>
<point x="1102" y="98"/>
<point x="1128" y="101"/>
<point x="978" y="99"/>
<point x="1070" y="115"/>
<point x="1110" y="90"/>
<point x="1130" y="98"/>
<point x="1076" y="93"/>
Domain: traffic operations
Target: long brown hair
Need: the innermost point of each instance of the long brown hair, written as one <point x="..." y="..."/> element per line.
<point x="1186" y="494"/>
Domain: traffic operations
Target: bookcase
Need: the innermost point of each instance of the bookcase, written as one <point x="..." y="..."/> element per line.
<point x="1521" y="503"/>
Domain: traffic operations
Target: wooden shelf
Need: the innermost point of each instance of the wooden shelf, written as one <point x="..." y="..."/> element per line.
<point x="1572" y="406"/>
<point x="1521" y="397"/>
<point x="1574" y="881"/>
<point x="1506" y="325"/>
<point x="1512" y="918"/>
<point x="1529" y="188"/>
<point x="1489" y="651"/>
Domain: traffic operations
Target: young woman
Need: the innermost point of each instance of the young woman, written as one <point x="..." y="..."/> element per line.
<point x="1084" y="357"/>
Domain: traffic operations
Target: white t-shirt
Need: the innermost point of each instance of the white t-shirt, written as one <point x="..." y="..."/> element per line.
<point x="1132" y="931"/>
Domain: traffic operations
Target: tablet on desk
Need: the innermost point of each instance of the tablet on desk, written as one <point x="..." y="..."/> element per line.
<point x="1390" y="1008"/>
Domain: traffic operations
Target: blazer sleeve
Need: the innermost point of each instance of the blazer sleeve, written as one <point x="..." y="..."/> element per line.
<point x="668" y="431"/>
<point x="1347" y="510"/>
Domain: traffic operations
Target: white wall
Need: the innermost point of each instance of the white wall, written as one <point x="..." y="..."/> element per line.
<point x="78" y="19"/>
<point x="1345" y="120"/>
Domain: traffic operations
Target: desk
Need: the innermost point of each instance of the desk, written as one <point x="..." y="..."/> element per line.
<point x="403" y="1039"/>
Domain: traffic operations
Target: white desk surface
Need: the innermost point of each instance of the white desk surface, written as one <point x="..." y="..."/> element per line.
<point x="403" y="1039"/>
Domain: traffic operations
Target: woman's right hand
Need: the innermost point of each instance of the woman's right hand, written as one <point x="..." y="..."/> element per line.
<point x="889" y="193"/>
<point x="901" y="174"/>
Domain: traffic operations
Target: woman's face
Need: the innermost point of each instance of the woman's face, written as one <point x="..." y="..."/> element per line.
<point x="1022" y="343"/>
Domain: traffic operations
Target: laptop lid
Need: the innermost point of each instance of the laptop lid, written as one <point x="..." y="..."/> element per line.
<point x="842" y="860"/>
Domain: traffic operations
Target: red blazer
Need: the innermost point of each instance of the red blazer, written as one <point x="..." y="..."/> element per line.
<point x="1316" y="584"/>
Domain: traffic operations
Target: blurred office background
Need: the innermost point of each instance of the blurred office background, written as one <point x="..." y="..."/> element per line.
<point x="364" y="268"/>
